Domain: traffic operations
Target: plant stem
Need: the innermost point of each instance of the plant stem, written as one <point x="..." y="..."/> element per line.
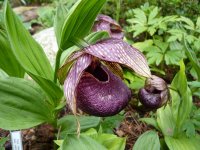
<point x="57" y="65"/>
<point x="118" y="3"/>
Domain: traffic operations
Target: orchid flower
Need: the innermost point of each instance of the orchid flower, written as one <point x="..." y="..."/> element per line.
<point x="106" y="23"/>
<point x="91" y="85"/>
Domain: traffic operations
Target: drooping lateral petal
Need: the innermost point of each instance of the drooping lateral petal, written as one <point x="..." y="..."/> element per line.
<point x="116" y="50"/>
<point x="62" y="72"/>
<point x="73" y="78"/>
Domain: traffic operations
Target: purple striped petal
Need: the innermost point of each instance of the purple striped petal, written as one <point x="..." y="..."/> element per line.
<point x="63" y="71"/>
<point x="116" y="50"/>
<point x="106" y="23"/>
<point x="73" y="78"/>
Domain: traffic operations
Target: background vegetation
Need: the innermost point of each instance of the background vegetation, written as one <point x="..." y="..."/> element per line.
<point x="168" y="33"/>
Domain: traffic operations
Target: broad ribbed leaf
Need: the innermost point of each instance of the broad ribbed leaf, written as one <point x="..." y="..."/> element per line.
<point x="53" y="91"/>
<point x="68" y="123"/>
<point x="22" y="104"/>
<point x="61" y="14"/>
<point x="147" y="141"/>
<point x="183" y="143"/>
<point x="8" y="61"/>
<point x="30" y="54"/>
<point x="181" y="103"/>
<point x="166" y="121"/>
<point x="27" y="51"/>
<point x="110" y="141"/>
<point x="79" y="21"/>
<point x="83" y="142"/>
<point x="115" y="50"/>
<point x="73" y="78"/>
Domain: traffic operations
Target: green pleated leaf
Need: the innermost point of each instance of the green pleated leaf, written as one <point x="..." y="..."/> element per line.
<point x="147" y="141"/>
<point x="22" y="104"/>
<point x="27" y="51"/>
<point x="61" y="14"/>
<point x="172" y="117"/>
<point x="165" y="120"/>
<point x="79" y="21"/>
<point x="53" y="91"/>
<point x="8" y="61"/>
<point x="110" y="141"/>
<point x="181" y="99"/>
<point x="183" y="143"/>
<point x="72" y="142"/>
<point x="68" y="123"/>
<point x="30" y="54"/>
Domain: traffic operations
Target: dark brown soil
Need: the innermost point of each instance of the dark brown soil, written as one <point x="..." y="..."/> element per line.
<point x="131" y="128"/>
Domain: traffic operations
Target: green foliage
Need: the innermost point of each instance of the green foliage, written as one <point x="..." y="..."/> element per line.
<point x="22" y="104"/>
<point x="133" y="81"/>
<point x="147" y="19"/>
<point x="46" y="16"/>
<point x="195" y="88"/>
<point x="41" y="102"/>
<point x="68" y="124"/>
<point x="148" y="140"/>
<point x="84" y="9"/>
<point x="193" y="59"/>
<point x="30" y="55"/>
<point x="160" y="52"/>
<point x="162" y="40"/>
<point x="92" y="139"/>
<point x="182" y="143"/>
<point x="185" y="8"/>
<point x="85" y="142"/>
<point x="8" y="61"/>
<point x="109" y="123"/>
<point x="2" y="142"/>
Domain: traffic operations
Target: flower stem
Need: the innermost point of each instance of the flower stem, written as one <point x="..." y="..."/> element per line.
<point x="57" y="65"/>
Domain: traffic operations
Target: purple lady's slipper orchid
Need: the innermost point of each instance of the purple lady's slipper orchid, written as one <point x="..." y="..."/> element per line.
<point x="105" y="23"/>
<point x="92" y="87"/>
<point x="94" y="83"/>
